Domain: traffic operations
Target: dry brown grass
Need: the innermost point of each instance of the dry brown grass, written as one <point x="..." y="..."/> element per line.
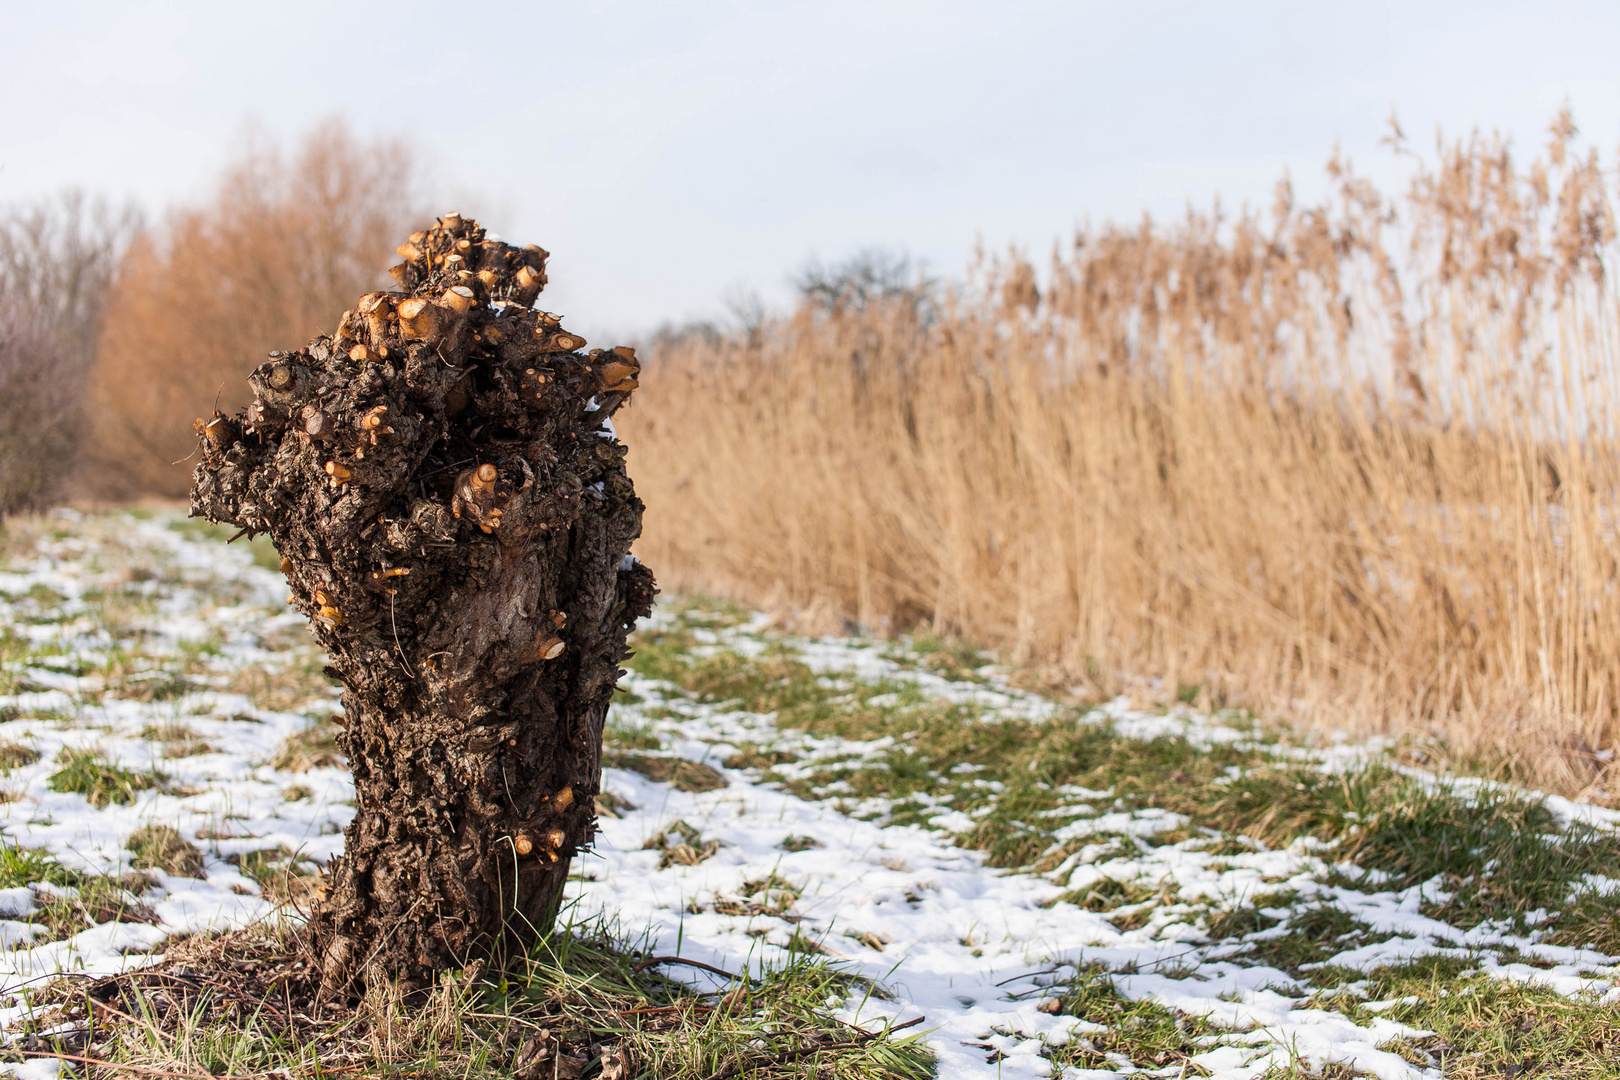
<point x="1354" y="464"/>
<point x="199" y="303"/>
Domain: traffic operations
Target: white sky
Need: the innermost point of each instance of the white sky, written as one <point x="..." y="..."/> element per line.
<point x="667" y="152"/>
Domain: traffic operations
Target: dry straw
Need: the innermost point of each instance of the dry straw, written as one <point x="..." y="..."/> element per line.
<point x="1351" y="463"/>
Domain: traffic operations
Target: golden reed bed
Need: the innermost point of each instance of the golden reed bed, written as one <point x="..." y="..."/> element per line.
<point x="1352" y="464"/>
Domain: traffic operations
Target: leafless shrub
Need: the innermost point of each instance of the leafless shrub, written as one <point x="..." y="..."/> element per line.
<point x="868" y="276"/>
<point x="871" y="277"/>
<point x="57" y="260"/>
<point x="37" y="408"/>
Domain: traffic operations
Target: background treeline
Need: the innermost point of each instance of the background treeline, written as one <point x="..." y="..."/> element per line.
<point x="1353" y="462"/>
<point x="115" y="335"/>
<point x="58" y="261"/>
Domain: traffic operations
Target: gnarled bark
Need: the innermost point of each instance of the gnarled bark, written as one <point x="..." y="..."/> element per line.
<point x="452" y="509"/>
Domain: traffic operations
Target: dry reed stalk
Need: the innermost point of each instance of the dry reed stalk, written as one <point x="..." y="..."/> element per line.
<point x="1356" y="467"/>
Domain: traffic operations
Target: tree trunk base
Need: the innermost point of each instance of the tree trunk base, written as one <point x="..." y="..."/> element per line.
<point x="450" y="501"/>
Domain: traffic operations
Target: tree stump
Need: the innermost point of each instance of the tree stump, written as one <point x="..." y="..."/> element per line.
<point x="442" y="479"/>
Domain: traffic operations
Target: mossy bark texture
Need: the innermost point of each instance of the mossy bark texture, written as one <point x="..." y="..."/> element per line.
<point x="450" y="501"/>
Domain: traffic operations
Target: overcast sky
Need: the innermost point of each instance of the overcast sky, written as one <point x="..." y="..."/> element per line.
<point x="666" y="153"/>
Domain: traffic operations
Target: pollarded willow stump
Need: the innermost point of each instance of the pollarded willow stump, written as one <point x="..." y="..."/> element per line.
<point x="450" y="501"/>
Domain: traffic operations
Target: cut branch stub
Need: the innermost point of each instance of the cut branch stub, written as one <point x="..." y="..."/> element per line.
<point x="218" y="431"/>
<point x="317" y="422"/>
<point x="456" y="531"/>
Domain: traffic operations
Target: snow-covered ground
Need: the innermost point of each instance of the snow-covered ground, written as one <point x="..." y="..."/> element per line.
<point x="973" y="949"/>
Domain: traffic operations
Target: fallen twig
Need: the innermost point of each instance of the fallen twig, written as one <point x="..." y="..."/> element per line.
<point x="654" y="960"/>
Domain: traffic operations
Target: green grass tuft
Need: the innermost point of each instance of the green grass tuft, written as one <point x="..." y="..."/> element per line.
<point x="88" y="773"/>
<point x="1487" y="1027"/>
<point x="161" y="847"/>
<point x="1148" y="1035"/>
<point x="29" y="866"/>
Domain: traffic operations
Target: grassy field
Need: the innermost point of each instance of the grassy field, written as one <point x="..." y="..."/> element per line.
<point x="860" y="832"/>
<point x="1371" y="890"/>
<point x="171" y="785"/>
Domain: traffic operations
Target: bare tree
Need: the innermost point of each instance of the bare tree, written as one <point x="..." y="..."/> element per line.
<point x="35" y="413"/>
<point x="748" y="312"/>
<point x="868" y="277"/>
<point x="286" y="243"/>
<point x="58" y="258"/>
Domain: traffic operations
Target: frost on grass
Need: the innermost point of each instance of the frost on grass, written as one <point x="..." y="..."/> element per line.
<point x="1057" y="892"/>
